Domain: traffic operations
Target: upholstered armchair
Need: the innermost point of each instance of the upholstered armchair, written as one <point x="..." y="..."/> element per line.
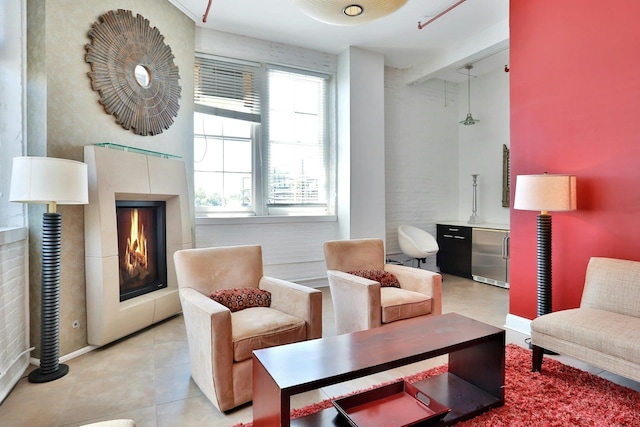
<point x="221" y="341"/>
<point x="363" y="303"/>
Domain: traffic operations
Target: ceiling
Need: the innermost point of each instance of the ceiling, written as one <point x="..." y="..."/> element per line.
<point x="472" y="31"/>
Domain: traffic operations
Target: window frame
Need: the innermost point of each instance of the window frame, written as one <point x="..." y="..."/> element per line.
<point x="260" y="150"/>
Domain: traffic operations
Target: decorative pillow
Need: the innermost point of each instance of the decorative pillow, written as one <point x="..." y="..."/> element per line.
<point x="237" y="299"/>
<point x="383" y="277"/>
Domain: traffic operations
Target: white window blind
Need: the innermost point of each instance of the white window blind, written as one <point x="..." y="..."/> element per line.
<point x="228" y="89"/>
<point x="297" y="135"/>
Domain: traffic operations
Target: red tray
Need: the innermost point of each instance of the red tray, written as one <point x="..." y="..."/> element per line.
<point x="395" y="405"/>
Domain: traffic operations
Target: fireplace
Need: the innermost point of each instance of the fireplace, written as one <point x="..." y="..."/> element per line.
<point x="142" y="263"/>
<point x="117" y="175"/>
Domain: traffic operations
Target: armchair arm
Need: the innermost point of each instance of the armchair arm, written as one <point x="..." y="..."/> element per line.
<point x="297" y="300"/>
<point x="417" y="280"/>
<point x="209" y="335"/>
<point x="356" y="302"/>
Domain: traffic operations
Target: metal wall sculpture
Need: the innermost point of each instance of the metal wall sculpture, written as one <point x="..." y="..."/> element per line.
<point x="133" y="70"/>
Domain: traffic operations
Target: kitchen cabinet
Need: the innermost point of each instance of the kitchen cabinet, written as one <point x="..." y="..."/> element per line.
<point x="454" y="255"/>
<point x="477" y="252"/>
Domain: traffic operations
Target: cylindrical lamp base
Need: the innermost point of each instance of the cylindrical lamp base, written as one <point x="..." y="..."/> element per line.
<point x="50" y="368"/>
<point x="544" y="264"/>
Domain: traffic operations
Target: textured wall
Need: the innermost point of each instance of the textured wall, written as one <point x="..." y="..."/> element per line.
<point x="574" y="109"/>
<point x="13" y="305"/>
<point x="67" y="108"/>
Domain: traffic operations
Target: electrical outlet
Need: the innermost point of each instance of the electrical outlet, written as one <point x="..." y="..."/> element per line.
<point x="75" y="324"/>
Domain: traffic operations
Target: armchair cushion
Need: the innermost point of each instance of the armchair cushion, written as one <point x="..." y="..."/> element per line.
<point x="262" y="327"/>
<point x="398" y="304"/>
<point x="383" y="277"/>
<point x="237" y="299"/>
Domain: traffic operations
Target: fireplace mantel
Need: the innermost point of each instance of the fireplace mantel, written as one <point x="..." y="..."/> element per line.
<point x="121" y="175"/>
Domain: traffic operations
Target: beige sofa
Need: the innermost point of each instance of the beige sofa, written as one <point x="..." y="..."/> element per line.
<point x="605" y="330"/>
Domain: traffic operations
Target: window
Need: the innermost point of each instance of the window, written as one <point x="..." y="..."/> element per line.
<point x="261" y="149"/>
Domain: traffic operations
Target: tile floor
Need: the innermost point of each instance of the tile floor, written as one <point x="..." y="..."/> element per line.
<point x="145" y="377"/>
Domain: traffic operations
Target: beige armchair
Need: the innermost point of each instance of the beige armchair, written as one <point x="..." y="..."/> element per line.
<point x="221" y="341"/>
<point x="360" y="303"/>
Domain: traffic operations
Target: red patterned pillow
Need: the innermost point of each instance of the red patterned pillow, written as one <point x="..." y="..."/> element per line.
<point x="237" y="299"/>
<point x="383" y="277"/>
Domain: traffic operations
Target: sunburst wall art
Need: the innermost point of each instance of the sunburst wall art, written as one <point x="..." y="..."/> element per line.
<point x="133" y="70"/>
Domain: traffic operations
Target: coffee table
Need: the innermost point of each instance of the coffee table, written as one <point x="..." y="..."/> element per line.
<point x="473" y="384"/>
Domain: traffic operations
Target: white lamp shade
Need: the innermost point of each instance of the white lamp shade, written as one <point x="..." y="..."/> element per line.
<point x="331" y="11"/>
<point x="48" y="179"/>
<point x="545" y="192"/>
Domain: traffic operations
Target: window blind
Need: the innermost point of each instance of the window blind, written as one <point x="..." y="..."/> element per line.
<point x="227" y="89"/>
<point x="296" y="129"/>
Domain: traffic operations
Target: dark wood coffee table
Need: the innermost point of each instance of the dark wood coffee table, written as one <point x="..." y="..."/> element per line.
<point x="473" y="384"/>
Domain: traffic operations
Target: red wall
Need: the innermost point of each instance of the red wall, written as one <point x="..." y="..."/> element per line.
<point x="575" y="108"/>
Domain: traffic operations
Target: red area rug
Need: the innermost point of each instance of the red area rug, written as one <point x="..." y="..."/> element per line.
<point x="559" y="396"/>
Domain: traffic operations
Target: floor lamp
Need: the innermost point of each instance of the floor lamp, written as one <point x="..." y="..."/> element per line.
<point x="545" y="193"/>
<point x="50" y="181"/>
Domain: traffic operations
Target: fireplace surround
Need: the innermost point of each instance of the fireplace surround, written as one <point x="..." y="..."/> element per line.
<point x="121" y="175"/>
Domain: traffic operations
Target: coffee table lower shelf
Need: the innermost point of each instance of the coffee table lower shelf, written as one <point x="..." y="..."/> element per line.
<point x="465" y="400"/>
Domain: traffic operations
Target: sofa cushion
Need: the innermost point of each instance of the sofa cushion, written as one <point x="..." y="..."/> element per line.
<point x="261" y="327"/>
<point x="598" y="330"/>
<point x="398" y="304"/>
<point x="383" y="277"/>
<point x="236" y="299"/>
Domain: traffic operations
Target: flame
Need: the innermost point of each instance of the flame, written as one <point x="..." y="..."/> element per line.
<point x="136" y="250"/>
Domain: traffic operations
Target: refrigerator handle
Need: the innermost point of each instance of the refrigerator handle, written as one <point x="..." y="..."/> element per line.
<point x="505" y="246"/>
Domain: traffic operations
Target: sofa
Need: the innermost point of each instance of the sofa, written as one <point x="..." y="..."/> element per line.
<point x="605" y="330"/>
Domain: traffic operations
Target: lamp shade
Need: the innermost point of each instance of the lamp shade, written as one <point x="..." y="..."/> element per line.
<point x="348" y="12"/>
<point x="48" y="179"/>
<point x="545" y="192"/>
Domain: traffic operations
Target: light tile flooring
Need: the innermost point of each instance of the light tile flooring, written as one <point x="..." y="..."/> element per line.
<point x="145" y="377"/>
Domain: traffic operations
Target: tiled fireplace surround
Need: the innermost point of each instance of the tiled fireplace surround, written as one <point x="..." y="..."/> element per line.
<point x="124" y="175"/>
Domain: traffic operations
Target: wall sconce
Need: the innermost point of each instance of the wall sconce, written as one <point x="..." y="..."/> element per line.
<point x="50" y="181"/>
<point x="545" y="193"/>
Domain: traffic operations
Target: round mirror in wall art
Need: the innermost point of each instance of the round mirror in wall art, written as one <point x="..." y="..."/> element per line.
<point x="133" y="71"/>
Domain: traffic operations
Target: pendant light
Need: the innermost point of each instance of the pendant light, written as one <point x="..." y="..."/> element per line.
<point x="348" y="12"/>
<point x="469" y="120"/>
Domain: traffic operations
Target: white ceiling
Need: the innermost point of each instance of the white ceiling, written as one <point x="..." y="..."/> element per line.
<point x="474" y="31"/>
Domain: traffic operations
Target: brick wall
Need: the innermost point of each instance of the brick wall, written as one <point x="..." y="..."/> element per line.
<point x="14" y="315"/>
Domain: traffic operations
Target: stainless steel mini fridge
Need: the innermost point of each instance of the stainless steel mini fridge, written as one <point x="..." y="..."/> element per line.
<point x="490" y="256"/>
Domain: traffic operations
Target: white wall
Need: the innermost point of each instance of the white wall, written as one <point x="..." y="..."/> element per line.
<point x="14" y="266"/>
<point x="480" y="146"/>
<point x="12" y="92"/>
<point x="421" y="154"/>
<point x="361" y="139"/>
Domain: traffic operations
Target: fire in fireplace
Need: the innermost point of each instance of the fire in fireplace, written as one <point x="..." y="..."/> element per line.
<point x="141" y="247"/>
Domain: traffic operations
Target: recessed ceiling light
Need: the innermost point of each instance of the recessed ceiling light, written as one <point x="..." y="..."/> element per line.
<point x="353" y="10"/>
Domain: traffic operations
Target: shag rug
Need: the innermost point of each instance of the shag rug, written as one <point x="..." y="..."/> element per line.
<point x="558" y="396"/>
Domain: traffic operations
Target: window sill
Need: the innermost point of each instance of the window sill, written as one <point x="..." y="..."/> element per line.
<point x="275" y="219"/>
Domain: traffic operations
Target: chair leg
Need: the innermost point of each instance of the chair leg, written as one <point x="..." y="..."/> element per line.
<point x="536" y="358"/>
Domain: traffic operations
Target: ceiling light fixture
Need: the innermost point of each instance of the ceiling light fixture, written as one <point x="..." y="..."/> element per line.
<point x="353" y="10"/>
<point x="345" y="12"/>
<point x="469" y="120"/>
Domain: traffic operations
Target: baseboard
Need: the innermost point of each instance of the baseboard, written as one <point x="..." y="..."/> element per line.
<point x="69" y="356"/>
<point x="518" y="324"/>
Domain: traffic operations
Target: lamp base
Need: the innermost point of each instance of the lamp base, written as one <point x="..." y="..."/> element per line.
<point x="38" y="377"/>
<point x="474" y="219"/>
